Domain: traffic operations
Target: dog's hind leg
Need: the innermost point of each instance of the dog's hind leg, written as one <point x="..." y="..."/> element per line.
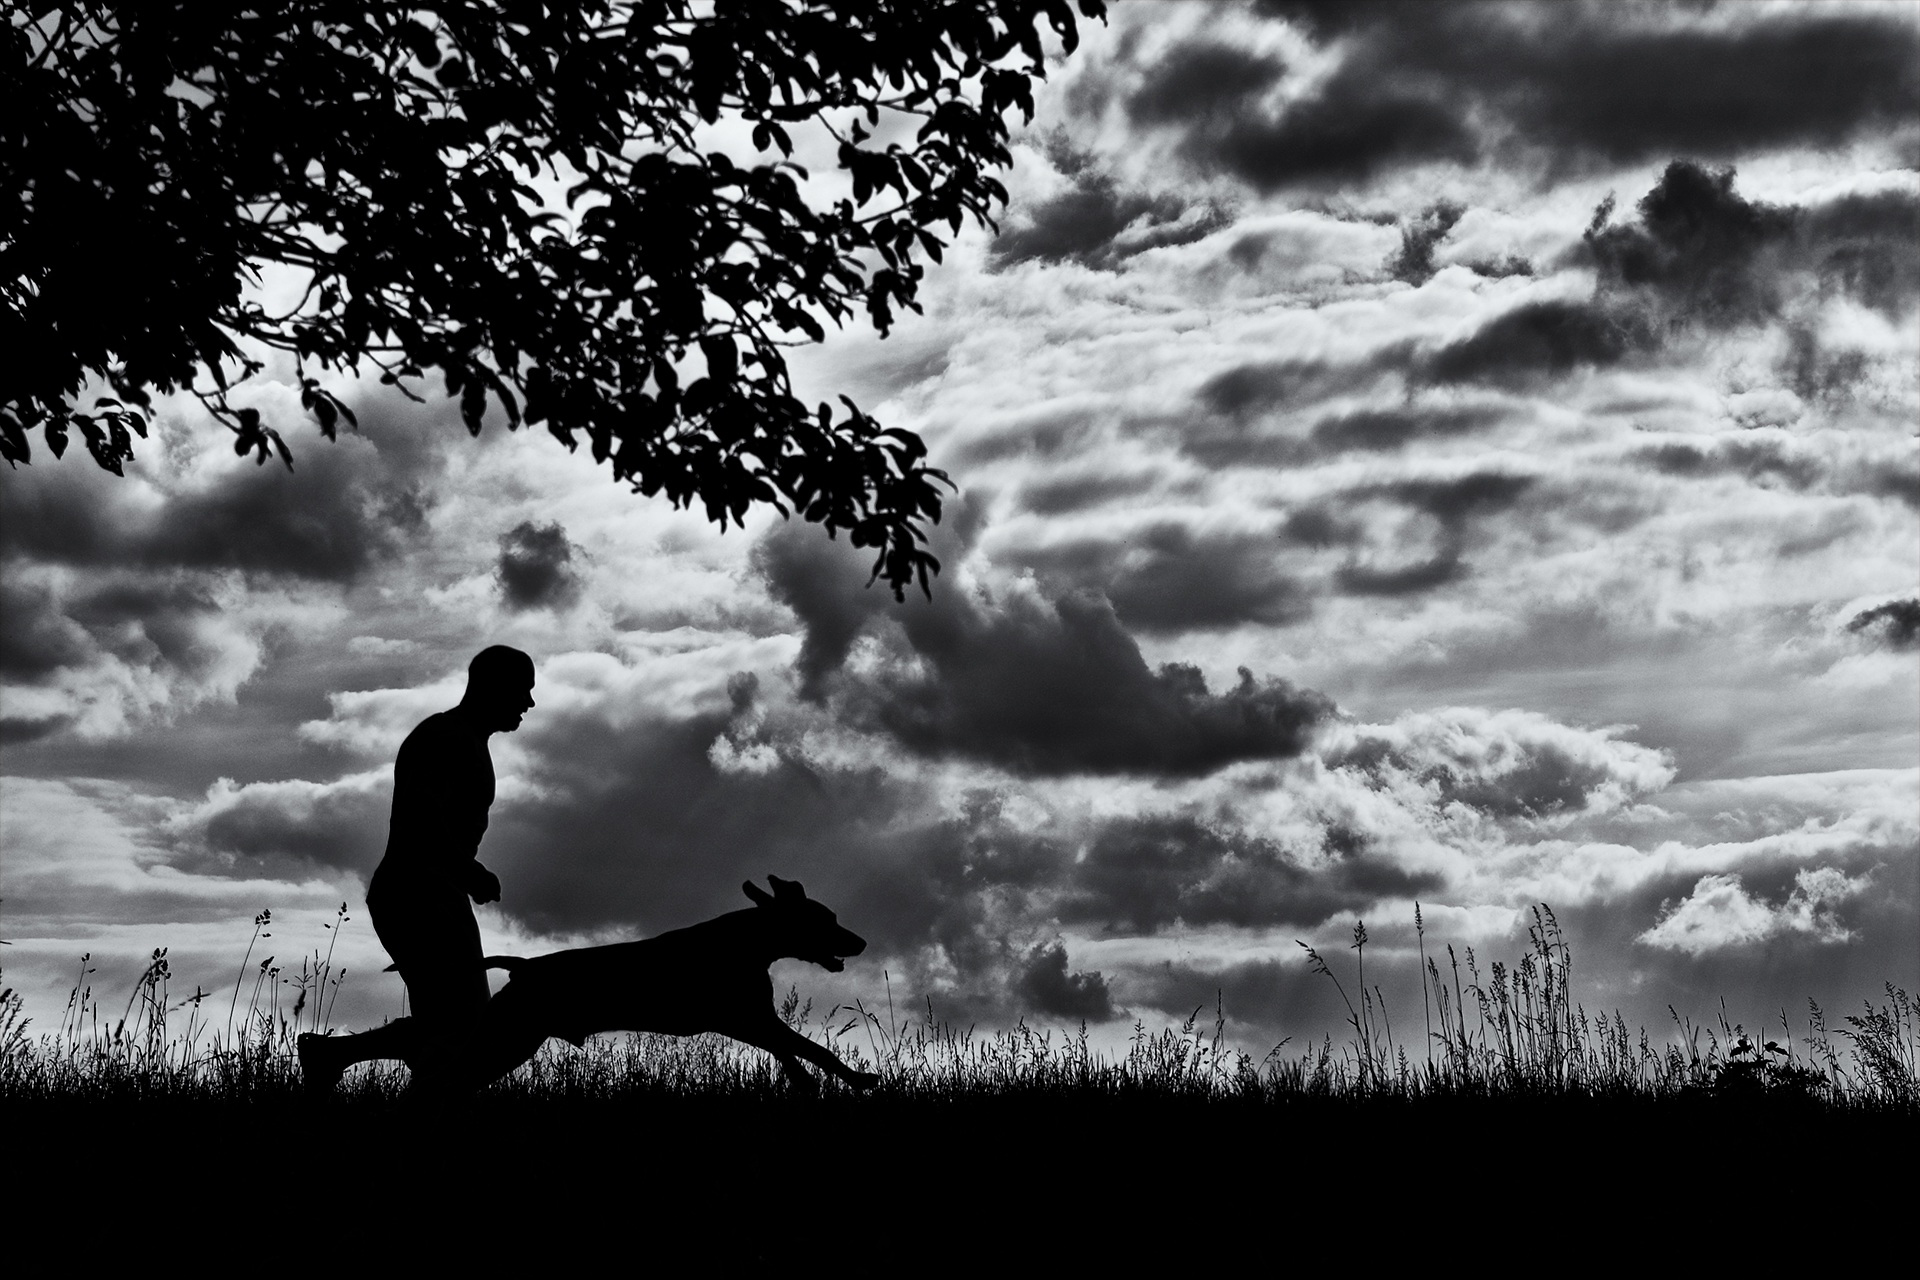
<point x="507" y="1033"/>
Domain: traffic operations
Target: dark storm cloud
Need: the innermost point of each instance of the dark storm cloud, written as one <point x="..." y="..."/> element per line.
<point x="1168" y="578"/>
<point x="1866" y="247"/>
<point x="1144" y="874"/>
<point x="827" y="583"/>
<point x="1383" y="430"/>
<point x="1413" y="262"/>
<point x="1895" y="624"/>
<point x="1769" y="458"/>
<point x="331" y="521"/>
<point x="16" y="730"/>
<point x="1057" y="686"/>
<point x="1063" y="495"/>
<point x="536" y="569"/>
<point x="1401" y="580"/>
<point x="1320" y="526"/>
<point x="149" y="622"/>
<point x="1267" y="995"/>
<point x="1538" y="341"/>
<point x="1585" y="86"/>
<point x="1698" y="255"/>
<point x="1242" y="439"/>
<point x="1351" y="128"/>
<point x="35" y="638"/>
<point x="1455" y="500"/>
<point x="1454" y="504"/>
<point x="289" y="829"/>
<point x="159" y="622"/>
<point x="1711" y="255"/>
<point x="1818" y="373"/>
<point x="1204" y="81"/>
<point x="1895" y="480"/>
<point x="1758" y="460"/>
<point x="1029" y="682"/>
<point x="1045" y="986"/>
<point x="1698" y="244"/>
<point x="1098" y="224"/>
<point x="1252" y="389"/>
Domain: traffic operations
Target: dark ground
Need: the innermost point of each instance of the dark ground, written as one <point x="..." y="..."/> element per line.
<point x="890" y="1184"/>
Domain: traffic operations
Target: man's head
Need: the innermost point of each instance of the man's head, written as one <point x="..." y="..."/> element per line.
<point x="499" y="687"/>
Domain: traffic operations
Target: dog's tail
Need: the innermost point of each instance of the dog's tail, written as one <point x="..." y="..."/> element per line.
<point x="509" y="963"/>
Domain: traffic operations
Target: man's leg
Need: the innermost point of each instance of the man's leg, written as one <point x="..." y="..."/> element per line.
<point x="507" y="1033"/>
<point x="435" y="944"/>
<point x="324" y="1059"/>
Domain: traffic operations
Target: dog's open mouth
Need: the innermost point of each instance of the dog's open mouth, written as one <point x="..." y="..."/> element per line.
<point x="832" y="964"/>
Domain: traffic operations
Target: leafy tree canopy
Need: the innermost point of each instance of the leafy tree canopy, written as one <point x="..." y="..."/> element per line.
<point x="167" y="153"/>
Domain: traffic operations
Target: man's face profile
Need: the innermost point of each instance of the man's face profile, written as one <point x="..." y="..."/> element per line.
<point x="514" y="704"/>
<point x="500" y="688"/>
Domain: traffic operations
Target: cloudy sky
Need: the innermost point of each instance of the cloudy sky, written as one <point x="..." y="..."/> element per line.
<point x="1451" y="454"/>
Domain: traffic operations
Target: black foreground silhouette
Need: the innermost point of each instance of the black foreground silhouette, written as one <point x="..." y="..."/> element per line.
<point x="708" y="977"/>
<point x="443" y="786"/>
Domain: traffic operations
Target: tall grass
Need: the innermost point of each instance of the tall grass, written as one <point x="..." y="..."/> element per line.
<point x="1510" y="1032"/>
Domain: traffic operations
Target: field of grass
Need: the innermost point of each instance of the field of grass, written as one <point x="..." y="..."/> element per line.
<point x="1512" y="1032"/>
<point x="1517" y="1102"/>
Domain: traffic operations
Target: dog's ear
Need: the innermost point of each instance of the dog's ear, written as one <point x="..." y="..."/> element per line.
<point x="787" y="890"/>
<point x="759" y="896"/>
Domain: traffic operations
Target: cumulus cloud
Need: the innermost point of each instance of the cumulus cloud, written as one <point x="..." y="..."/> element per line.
<point x="132" y="600"/>
<point x="98" y="654"/>
<point x="1719" y="913"/>
<point x="1508" y="763"/>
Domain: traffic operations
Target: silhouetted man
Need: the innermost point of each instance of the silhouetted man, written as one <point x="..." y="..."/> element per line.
<point x="442" y="789"/>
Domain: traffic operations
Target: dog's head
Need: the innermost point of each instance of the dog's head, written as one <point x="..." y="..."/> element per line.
<point x="803" y="928"/>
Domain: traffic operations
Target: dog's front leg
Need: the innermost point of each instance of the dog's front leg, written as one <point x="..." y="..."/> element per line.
<point x="787" y="1045"/>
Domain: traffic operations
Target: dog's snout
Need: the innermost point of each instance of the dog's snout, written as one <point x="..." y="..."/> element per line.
<point x="850" y="944"/>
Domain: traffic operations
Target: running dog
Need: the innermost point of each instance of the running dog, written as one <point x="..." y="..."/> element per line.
<point x="710" y="976"/>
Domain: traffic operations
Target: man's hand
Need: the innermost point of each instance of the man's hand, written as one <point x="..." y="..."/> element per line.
<point x="482" y="884"/>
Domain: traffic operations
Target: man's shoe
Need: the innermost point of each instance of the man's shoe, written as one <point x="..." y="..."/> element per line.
<point x="320" y="1067"/>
